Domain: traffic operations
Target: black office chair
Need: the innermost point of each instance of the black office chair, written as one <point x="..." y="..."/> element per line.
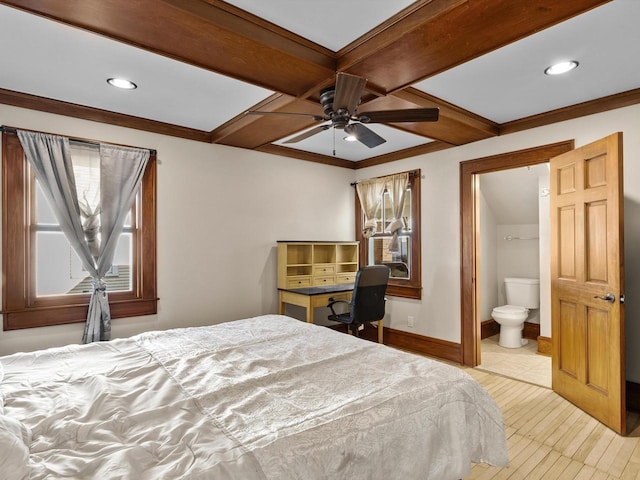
<point x="367" y="301"/>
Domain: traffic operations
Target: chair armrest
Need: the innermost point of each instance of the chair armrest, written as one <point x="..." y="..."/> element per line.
<point x="332" y="302"/>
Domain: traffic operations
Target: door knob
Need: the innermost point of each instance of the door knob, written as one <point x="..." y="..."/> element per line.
<point x="609" y="297"/>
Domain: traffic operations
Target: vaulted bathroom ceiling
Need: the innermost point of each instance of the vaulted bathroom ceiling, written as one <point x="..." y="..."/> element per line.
<point x="513" y="195"/>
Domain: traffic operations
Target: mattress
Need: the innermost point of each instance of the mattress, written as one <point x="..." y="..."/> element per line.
<point x="268" y="397"/>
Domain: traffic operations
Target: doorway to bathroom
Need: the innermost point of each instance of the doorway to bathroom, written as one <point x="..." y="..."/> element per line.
<point x="512" y="284"/>
<point x="471" y="251"/>
<point x="586" y="240"/>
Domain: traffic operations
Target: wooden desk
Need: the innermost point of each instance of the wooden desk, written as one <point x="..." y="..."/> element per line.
<point x="312" y="297"/>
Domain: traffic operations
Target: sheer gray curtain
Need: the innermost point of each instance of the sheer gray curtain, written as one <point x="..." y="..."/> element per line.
<point x="370" y="196"/>
<point x="396" y="187"/>
<point x="121" y="171"/>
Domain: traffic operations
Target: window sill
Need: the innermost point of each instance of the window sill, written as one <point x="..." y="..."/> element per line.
<point x="64" y="314"/>
<point x="404" y="291"/>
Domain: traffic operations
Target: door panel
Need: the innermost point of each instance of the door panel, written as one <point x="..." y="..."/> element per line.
<point x="586" y="274"/>
<point x="597" y="335"/>
<point x="567" y="242"/>
<point x="570" y="337"/>
<point x="596" y="242"/>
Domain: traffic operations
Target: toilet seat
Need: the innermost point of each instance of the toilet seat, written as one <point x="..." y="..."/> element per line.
<point x="511" y="310"/>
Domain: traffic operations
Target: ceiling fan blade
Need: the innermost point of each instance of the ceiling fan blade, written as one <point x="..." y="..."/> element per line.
<point x="408" y="115"/>
<point x="317" y="118"/>
<point x="308" y="133"/>
<point x="364" y="135"/>
<point x="348" y="91"/>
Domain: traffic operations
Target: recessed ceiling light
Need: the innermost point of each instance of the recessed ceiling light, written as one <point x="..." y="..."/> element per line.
<point x="122" y="83"/>
<point x="561" y="67"/>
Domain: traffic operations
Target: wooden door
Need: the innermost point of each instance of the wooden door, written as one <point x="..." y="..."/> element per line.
<point x="587" y="284"/>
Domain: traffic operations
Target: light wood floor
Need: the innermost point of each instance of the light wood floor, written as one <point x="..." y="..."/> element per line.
<point x="548" y="438"/>
<point x="523" y="363"/>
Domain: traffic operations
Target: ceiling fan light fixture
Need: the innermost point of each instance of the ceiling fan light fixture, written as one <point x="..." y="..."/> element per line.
<point x="561" y="67"/>
<point x="122" y="83"/>
<point x="350" y="138"/>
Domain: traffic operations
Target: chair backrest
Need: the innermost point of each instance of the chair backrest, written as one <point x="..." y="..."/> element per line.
<point x="367" y="301"/>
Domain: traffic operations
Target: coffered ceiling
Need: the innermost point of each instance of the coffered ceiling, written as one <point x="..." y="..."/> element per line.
<point x="201" y="64"/>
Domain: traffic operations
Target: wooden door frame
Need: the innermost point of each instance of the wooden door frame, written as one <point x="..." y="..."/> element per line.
<point x="470" y="328"/>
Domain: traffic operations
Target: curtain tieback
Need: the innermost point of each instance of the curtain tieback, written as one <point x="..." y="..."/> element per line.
<point x="396" y="224"/>
<point x="99" y="286"/>
<point x="369" y="228"/>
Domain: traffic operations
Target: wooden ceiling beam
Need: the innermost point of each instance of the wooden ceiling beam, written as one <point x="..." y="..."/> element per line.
<point x="253" y="131"/>
<point x="387" y="34"/>
<point x="455" y="125"/>
<point x="427" y="38"/>
<point x="421" y="41"/>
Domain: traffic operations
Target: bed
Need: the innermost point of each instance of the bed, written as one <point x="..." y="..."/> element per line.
<point x="268" y="397"/>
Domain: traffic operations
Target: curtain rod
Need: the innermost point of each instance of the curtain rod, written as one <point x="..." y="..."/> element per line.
<point x="78" y="140"/>
<point x="412" y="173"/>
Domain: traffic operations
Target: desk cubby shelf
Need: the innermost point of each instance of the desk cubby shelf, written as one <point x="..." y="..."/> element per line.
<point x="308" y="264"/>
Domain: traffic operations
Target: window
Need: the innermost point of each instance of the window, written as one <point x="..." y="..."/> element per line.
<point x="405" y="279"/>
<point x="44" y="283"/>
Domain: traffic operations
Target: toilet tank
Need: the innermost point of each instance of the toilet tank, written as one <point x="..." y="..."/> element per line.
<point x="523" y="292"/>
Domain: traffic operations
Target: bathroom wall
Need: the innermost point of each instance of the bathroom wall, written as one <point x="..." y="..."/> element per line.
<point x="517" y="258"/>
<point x="488" y="291"/>
<point x="509" y="208"/>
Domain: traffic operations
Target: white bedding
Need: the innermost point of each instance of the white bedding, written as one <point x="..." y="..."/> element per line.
<point x="263" y="398"/>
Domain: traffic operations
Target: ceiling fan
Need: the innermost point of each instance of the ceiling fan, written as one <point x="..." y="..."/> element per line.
<point x="340" y="104"/>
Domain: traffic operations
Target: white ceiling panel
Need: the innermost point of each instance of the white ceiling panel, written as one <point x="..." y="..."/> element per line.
<point x="331" y="23"/>
<point x="64" y="63"/>
<point x="510" y="83"/>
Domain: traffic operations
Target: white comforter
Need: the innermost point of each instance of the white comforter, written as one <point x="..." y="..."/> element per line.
<point x="263" y="398"/>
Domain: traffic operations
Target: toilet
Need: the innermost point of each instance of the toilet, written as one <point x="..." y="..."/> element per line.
<point x="522" y="294"/>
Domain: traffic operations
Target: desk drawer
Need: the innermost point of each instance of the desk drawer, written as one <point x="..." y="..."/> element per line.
<point x="322" y="270"/>
<point x="299" y="282"/>
<point x="324" y="280"/>
<point x="347" y="277"/>
<point x="342" y="296"/>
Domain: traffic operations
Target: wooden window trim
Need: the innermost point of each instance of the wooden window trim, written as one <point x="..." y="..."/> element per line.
<point x="20" y="307"/>
<point x="412" y="287"/>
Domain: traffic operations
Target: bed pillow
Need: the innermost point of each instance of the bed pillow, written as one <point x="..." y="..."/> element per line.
<point x="15" y="438"/>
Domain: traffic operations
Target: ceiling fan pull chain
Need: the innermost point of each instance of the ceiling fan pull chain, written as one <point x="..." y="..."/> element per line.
<point x="334" y="142"/>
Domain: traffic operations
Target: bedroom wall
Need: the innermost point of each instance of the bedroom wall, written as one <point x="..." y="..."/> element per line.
<point x="438" y="313"/>
<point x="220" y="212"/>
<point x="216" y="249"/>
